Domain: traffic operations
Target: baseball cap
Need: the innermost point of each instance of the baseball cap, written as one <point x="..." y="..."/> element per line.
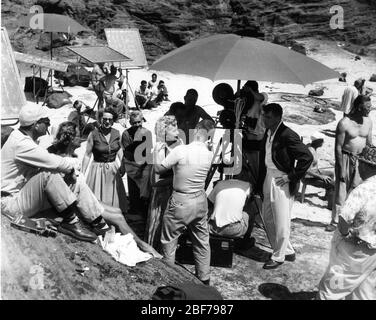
<point x="29" y="114"/>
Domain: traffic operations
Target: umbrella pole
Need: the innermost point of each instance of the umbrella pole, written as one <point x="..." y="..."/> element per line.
<point x="50" y="71"/>
<point x="238" y="87"/>
<point x="51" y="47"/>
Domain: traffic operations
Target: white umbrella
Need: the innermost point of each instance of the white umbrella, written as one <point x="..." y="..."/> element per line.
<point x="229" y="57"/>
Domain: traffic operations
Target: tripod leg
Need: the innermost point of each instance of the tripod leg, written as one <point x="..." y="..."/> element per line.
<point x="214" y="166"/>
<point x="131" y="91"/>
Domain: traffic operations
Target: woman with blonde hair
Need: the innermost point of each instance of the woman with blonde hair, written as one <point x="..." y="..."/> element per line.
<point x="167" y="132"/>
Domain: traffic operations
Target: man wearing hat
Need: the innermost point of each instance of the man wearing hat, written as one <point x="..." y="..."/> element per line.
<point x="31" y="179"/>
<point x="350" y="94"/>
<point x="351" y="273"/>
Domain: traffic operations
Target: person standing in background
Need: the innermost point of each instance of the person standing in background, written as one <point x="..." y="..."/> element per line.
<point x="284" y="160"/>
<point x="350" y="94"/>
<point x="353" y="133"/>
<point x="351" y="273"/>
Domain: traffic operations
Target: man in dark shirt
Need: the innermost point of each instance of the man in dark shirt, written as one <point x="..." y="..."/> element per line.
<point x="137" y="145"/>
<point x="188" y="114"/>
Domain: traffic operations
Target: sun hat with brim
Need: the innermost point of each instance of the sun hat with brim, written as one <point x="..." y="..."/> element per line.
<point x="29" y="114"/>
<point x="368" y="155"/>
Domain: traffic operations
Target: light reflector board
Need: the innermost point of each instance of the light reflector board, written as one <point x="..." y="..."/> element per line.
<point x="129" y="43"/>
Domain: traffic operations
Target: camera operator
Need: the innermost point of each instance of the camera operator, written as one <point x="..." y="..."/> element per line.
<point x="254" y="129"/>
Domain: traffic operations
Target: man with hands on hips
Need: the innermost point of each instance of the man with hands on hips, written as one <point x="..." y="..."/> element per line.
<point x="284" y="160"/>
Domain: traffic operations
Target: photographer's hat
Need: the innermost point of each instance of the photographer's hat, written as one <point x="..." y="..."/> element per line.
<point x="29" y="114"/>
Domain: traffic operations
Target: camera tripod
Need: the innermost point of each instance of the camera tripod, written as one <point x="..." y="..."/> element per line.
<point x="220" y="165"/>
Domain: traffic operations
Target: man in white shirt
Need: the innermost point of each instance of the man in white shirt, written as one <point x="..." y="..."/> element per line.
<point x="32" y="181"/>
<point x="143" y="97"/>
<point x="187" y="206"/>
<point x="349" y="95"/>
<point x="153" y="82"/>
<point x="284" y="160"/>
<point x="228" y="202"/>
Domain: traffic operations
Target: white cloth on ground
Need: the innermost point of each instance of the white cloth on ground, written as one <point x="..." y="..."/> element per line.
<point x="123" y="248"/>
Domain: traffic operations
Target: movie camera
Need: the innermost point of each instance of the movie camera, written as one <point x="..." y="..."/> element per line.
<point x="235" y="106"/>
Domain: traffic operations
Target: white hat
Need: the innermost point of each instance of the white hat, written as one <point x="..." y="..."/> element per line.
<point x="316" y="136"/>
<point x="29" y="114"/>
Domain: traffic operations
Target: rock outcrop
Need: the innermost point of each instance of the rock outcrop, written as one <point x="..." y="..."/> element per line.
<point x="167" y="24"/>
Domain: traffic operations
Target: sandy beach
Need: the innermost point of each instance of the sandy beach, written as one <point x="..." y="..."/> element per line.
<point x="327" y="52"/>
<point x="313" y="210"/>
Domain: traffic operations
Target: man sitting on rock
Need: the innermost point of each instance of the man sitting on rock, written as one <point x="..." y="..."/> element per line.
<point x="31" y="180"/>
<point x="143" y="97"/>
<point x="349" y="95"/>
<point x="162" y="91"/>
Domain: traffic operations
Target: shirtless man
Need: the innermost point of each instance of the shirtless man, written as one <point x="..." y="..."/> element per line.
<point x="109" y="81"/>
<point x="353" y="132"/>
<point x="188" y="114"/>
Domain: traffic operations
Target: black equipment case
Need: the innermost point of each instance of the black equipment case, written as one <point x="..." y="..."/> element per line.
<point x="222" y="250"/>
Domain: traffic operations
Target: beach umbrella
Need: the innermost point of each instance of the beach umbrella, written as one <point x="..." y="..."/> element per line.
<point x="51" y="22"/>
<point x="233" y="57"/>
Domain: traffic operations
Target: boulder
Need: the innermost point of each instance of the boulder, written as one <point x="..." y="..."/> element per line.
<point x="58" y="40"/>
<point x="298" y="47"/>
<point x="373" y="78"/>
<point x="165" y="25"/>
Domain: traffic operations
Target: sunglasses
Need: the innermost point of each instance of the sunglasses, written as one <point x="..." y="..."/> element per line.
<point x="107" y="119"/>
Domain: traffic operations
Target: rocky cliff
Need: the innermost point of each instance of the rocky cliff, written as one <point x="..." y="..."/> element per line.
<point x="167" y="24"/>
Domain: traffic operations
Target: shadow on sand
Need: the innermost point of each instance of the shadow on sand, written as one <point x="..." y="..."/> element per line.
<point x="254" y="253"/>
<point x="276" y="291"/>
<point x="309" y="223"/>
<point x="329" y="133"/>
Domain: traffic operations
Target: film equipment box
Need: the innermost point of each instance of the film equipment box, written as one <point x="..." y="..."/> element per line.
<point x="222" y="250"/>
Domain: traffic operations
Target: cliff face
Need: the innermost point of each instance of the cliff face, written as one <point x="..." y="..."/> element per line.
<point x="167" y="24"/>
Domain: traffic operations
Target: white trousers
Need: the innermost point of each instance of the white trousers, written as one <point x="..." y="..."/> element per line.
<point x="276" y="215"/>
